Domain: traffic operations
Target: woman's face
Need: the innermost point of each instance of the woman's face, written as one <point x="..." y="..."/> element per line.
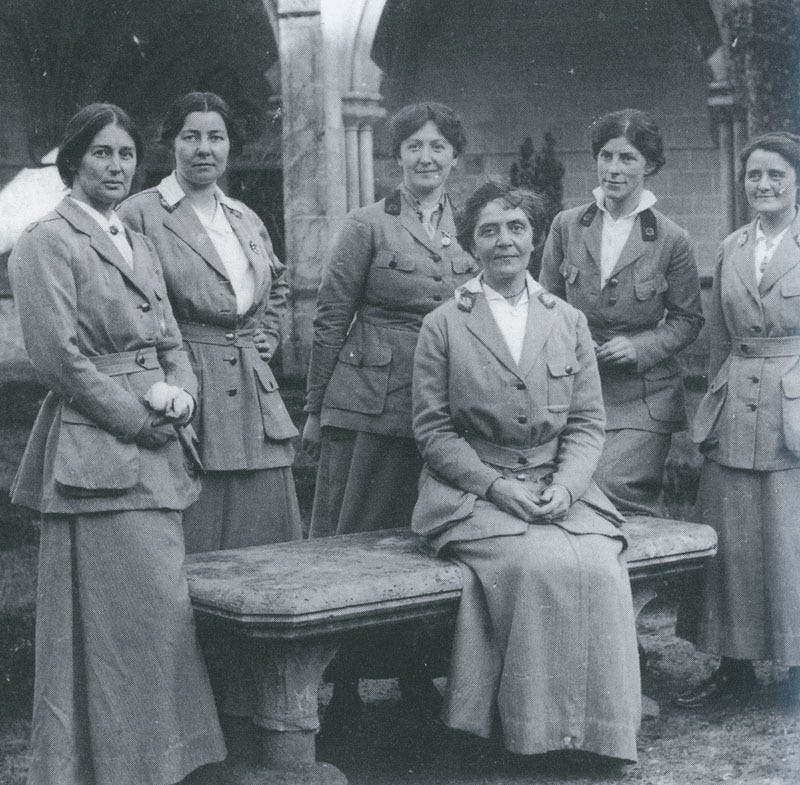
<point x="503" y="241"/>
<point x="106" y="169"/>
<point x="770" y="183"/>
<point x="201" y="149"/>
<point x="427" y="158"/>
<point x="621" y="170"/>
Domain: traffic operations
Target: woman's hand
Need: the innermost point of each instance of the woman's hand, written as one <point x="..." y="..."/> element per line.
<point x="157" y="431"/>
<point x="263" y="344"/>
<point x="618" y="351"/>
<point x="515" y="498"/>
<point x="312" y="435"/>
<point x="554" y="503"/>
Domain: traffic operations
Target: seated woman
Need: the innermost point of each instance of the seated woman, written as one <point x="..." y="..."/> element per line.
<point x="508" y="416"/>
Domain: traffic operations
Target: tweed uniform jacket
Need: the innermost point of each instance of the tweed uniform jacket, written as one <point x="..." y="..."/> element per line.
<point x="384" y="274"/>
<point x="652" y="298"/>
<point x="242" y="422"/>
<point x="78" y="299"/>
<point x="469" y="390"/>
<point x="750" y="416"/>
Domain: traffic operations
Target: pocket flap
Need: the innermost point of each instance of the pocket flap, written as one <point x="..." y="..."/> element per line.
<point x="392" y="261"/>
<point x="647" y="289"/>
<point x="563" y="367"/>
<point x="660" y="371"/>
<point x="791" y="287"/>
<point x="374" y="356"/>
<point x="791" y="386"/>
<point x="265" y="376"/>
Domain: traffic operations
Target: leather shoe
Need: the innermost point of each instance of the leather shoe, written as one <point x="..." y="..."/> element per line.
<point x="724" y="684"/>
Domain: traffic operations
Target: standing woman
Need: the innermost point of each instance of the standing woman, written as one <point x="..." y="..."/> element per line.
<point x="391" y="263"/>
<point x="228" y="291"/>
<point x="121" y="695"/>
<point x="632" y="272"/>
<point x="748" y="428"/>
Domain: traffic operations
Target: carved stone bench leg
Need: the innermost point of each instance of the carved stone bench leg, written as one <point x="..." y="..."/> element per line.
<point x="642" y="595"/>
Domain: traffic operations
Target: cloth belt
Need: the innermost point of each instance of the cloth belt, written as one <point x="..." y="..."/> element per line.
<point x="216" y="336"/>
<point x="127" y="362"/>
<point x="783" y="346"/>
<point x="514" y="457"/>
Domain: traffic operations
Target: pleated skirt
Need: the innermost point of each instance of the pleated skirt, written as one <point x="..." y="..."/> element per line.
<point x="121" y="692"/>
<point x="750" y="607"/>
<point x="545" y="648"/>
<point x="365" y="482"/>
<point x="237" y="509"/>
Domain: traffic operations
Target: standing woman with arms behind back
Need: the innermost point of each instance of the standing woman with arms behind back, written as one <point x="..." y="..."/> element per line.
<point x="632" y="272"/>
<point x="228" y="291"/>
<point x="748" y="428"/>
<point x="121" y="694"/>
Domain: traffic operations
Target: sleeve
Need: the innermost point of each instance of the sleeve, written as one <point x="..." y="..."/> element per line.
<point x="447" y="454"/>
<point x="683" y="319"/>
<point x="131" y="215"/>
<point x="719" y="337"/>
<point x="580" y="443"/>
<point x="40" y="271"/>
<point x="550" y="277"/>
<point x="341" y="292"/>
<point x="277" y="302"/>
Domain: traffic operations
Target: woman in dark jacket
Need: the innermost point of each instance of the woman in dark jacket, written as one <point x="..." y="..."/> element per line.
<point x="121" y="695"/>
<point x="228" y="291"/>
<point x="632" y="272"/>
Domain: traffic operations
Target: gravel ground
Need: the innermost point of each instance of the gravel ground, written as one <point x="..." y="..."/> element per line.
<point x="754" y="744"/>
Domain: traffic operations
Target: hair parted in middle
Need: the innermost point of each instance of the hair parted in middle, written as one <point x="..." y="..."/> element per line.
<point x="531" y="203"/>
<point x="200" y="102"/>
<point x="638" y="128"/>
<point x="412" y="117"/>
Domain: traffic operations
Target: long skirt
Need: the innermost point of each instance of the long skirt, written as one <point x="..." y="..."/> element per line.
<point x="750" y="607"/>
<point x="365" y="481"/>
<point x="242" y="508"/>
<point x="545" y="644"/>
<point x="631" y="470"/>
<point x="121" y="693"/>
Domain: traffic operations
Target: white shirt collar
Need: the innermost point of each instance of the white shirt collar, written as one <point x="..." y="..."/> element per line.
<point x="172" y="193"/>
<point x="105" y="223"/>
<point x="477" y="284"/>
<point x="771" y="241"/>
<point x="646" y="201"/>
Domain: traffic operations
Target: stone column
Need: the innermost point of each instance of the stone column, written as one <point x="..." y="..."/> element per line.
<point x="721" y="106"/>
<point x="360" y="111"/>
<point x="305" y="173"/>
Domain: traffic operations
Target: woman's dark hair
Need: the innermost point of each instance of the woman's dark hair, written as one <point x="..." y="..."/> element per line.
<point x="637" y="127"/>
<point x="786" y="145"/>
<point x="83" y="127"/>
<point x="200" y="102"/>
<point x="412" y="117"/>
<point x="531" y="203"/>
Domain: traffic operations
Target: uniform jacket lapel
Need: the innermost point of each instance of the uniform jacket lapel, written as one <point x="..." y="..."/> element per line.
<point x="482" y="325"/>
<point x="252" y="245"/>
<point x="185" y="224"/>
<point x="744" y="259"/>
<point x="103" y="244"/>
<point x="786" y="256"/>
<point x="592" y="238"/>
<point x="411" y="223"/>
<point x="537" y="330"/>
<point x="634" y="248"/>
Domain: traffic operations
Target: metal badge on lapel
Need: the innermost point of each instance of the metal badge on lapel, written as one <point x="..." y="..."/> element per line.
<point x="446" y="239"/>
<point x="254" y="247"/>
<point x="743" y="238"/>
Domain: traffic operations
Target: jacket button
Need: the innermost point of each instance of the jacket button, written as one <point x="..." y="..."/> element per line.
<point x="752" y="406"/>
<point x="231" y="360"/>
<point x="522" y="460"/>
<point x="437" y="278"/>
<point x="612" y="300"/>
<point x="612" y="282"/>
<point x="145" y="307"/>
<point x="756" y="328"/>
<point x="140" y="360"/>
<point x="231" y="393"/>
<point x="754" y="379"/>
<point x="521" y="477"/>
<point x="230" y="336"/>
<point x="436" y="258"/>
<point x="567" y="369"/>
<point x="520" y="385"/>
<point x="744" y="347"/>
<point x="437" y="298"/>
<point x="522" y="419"/>
<point x="392" y="265"/>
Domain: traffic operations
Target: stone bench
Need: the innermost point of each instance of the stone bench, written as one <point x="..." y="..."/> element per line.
<point x="295" y="602"/>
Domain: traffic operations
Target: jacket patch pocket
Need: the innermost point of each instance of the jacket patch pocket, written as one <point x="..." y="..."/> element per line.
<point x="646" y="290"/>
<point x="560" y="378"/>
<point x="663" y="392"/>
<point x="791" y="410"/>
<point x="89" y="461"/>
<point x="392" y="261"/>
<point x="277" y="423"/>
<point x="791" y="287"/>
<point x="708" y="413"/>
<point x="360" y="380"/>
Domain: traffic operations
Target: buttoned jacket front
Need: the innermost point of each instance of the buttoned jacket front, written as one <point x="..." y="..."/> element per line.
<point x="384" y="274"/>
<point x="78" y="301"/>
<point x="750" y="416"/>
<point x="652" y="298"/>
<point x="242" y="422"/>
<point x="468" y="391"/>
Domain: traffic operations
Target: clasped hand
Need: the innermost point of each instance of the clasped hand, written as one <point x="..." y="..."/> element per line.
<point x="617" y="351"/>
<point x="522" y="501"/>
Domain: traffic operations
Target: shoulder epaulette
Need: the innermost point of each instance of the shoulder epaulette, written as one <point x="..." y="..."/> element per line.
<point x="647" y="219"/>
<point x="465" y="300"/>
<point x="392" y="203"/>
<point x="547" y="299"/>
<point x="588" y="214"/>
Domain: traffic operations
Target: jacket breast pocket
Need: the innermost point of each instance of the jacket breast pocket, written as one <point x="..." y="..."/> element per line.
<point x="708" y="413"/>
<point x="647" y="290"/>
<point x="360" y="379"/>
<point x="389" y="260"/>
<point x="277" y="423"/>
<point x="560" y="380"/>
<point x="89" y="461"/>
<point x="790" y="404"/>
